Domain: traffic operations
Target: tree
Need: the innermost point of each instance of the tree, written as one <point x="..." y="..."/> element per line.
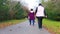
<point x="11" y="10"/>
<point x="53" y="10"/>
<point x="19" y="13"/>
<point x="3" y="10"/>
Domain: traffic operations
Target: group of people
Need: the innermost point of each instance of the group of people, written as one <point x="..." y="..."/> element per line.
<point x="39" y="13"/>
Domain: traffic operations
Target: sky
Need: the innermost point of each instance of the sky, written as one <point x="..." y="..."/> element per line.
<point x="30" y="3"/>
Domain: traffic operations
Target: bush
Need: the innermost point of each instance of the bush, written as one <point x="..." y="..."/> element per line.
<point x="10" y="11"/>
<point x="3" y="10"/>
<point x="53" y="10"/>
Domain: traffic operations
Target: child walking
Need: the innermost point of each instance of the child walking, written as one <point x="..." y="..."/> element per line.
<point x="31" y="17"/>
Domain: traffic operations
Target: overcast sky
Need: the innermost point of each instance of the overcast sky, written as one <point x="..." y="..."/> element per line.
<point x="30" y="3"/>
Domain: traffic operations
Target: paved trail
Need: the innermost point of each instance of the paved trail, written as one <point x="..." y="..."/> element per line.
<point x="23" y="28"/>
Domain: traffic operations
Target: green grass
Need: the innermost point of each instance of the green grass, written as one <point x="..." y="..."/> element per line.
<point x="53" y="26"/>
<point x="10" y="22"/>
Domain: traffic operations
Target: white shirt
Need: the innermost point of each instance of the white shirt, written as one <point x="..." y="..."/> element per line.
<point x="40" y="11"/>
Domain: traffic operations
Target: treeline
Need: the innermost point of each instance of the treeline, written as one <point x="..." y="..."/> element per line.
<point x="11" y="10"/>
<point x="53" y="9"/>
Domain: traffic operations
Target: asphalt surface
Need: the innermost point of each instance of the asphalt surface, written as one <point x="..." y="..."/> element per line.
<point x="23" y="28"/>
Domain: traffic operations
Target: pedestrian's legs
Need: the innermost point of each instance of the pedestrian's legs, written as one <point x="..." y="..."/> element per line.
<point x="33" y="22"/>
<point x="30" y="21"/>
<point x="39" y="22"/>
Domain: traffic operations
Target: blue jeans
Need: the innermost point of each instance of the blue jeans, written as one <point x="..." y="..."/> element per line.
<point x="31" y="21"/>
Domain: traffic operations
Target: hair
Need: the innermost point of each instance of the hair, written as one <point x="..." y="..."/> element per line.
<point x="31" y="9"/>
<point x="40" y="4"/>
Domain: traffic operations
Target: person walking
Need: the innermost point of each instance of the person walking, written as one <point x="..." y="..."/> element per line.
<point x="31" y="17"/>
<point x="40" y="14"/>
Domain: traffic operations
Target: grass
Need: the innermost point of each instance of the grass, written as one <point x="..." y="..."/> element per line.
<point x="52" y="26"/>
<point x="10" y="22"/>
